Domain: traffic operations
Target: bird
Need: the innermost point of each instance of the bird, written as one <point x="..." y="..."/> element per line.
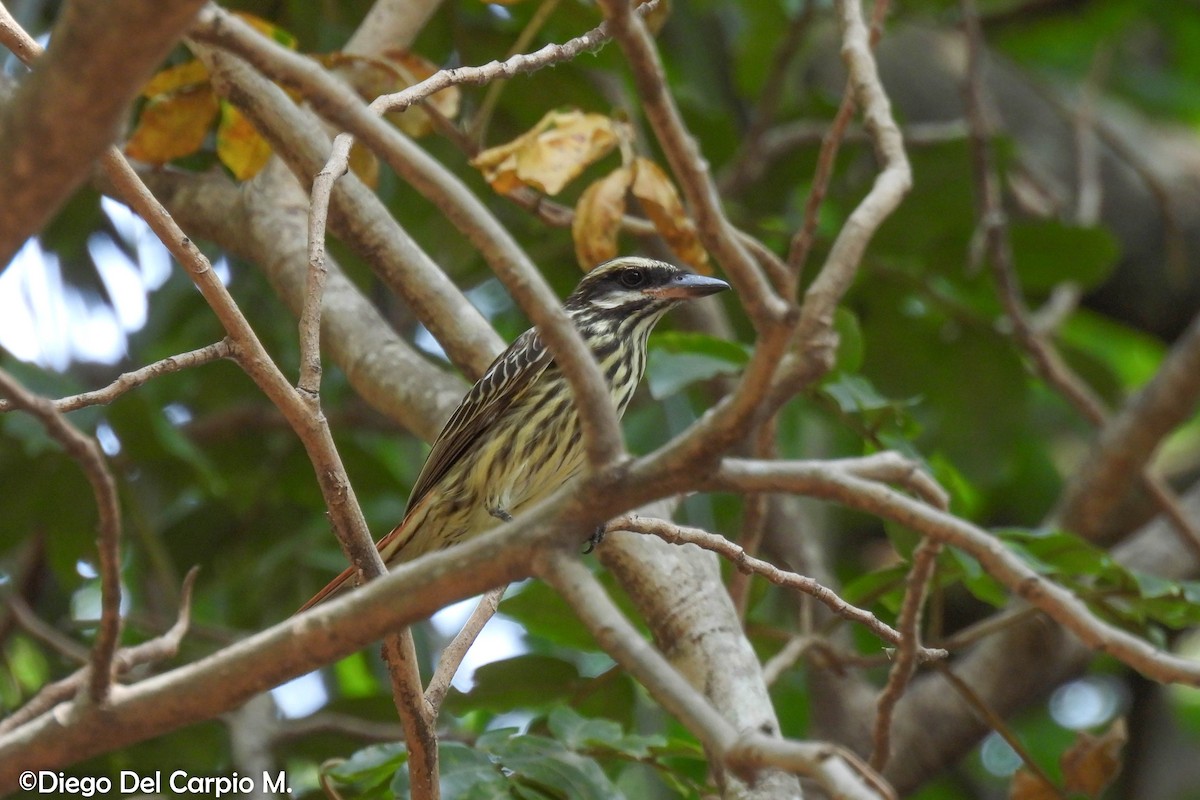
<point x="515" y="438"/>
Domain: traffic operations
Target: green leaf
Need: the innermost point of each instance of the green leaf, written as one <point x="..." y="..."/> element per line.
<point x="1129" y="354"/>
<point x="1048" y="253"/>
<point x="855" y="394"/>
<point x="850" y="341"/>
<point x="588" y="733"/>
<point x="545" y="764"/>
<point x="468" y="774"/>
<point x="543" y="613"/>
<point x="677" y="360"/>
<point x="976" y="580"/>
<point x="371" y="766"/>
<point x="579" y="732"/>
<point x="354" y="677"/>
<point x="505" y="685"/>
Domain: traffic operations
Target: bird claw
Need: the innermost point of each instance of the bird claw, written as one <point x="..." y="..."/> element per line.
<point x="500" y="514"/>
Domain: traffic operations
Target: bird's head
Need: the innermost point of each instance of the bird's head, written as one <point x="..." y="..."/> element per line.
<point x="631" y="284"/>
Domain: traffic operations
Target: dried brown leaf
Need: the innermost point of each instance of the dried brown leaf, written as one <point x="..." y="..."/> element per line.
<point x="1093" y="762"/>
<point x="598" y="218"/>
<point x="662" y="205"/>
<point x="551" y="154"/>
<point x="397" y="70"/>
<point x="1026" y="785"/>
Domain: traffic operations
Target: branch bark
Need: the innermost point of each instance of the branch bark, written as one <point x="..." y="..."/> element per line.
<point x="68" y="110"/>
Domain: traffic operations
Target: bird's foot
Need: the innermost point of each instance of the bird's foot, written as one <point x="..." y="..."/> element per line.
<point x="500" y="514"/>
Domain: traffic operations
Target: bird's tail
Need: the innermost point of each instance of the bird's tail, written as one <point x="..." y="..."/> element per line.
<point x="341" y="582"/>
<point x="389" y="548"/>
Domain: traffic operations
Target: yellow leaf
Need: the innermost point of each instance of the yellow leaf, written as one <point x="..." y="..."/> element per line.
<point x="658" y="197"/>
<point x="173" y="79"/>
<point x="239" y="145"/>
<point x="598" y="218"/>
<point x="173" y="126"/>
<point x="551" y="154"/>
<point x="1093" y="762"/>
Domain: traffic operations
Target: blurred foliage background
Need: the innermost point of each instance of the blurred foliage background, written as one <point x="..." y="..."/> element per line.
<point x="210" y="476"/>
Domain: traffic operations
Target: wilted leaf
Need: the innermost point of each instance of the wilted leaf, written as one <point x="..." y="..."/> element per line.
<point x="414" y="69"/>
<point x="370" y="77"/>
<point x="397" y="70"/>
<point x="661" y="202"/>
<point x="598" y="218"/>
<point x="657" y="17"/>
<point x="173" y="125"/>
<point x="239" y="145"/>
<point x="1092" y="762"/>
<point x="551" y="154"/>
<point x="1027" y="786"/>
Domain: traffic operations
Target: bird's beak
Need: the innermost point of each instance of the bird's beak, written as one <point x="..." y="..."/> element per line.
<point x="687" y="285"/>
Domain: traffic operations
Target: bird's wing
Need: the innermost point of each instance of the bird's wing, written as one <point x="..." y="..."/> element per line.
<point x="509" y="377"/>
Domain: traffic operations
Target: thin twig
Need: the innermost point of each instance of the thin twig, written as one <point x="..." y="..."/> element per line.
<point x="128" y="381"/>
<point x="765" y="307"/>
<point x="745" y="753"/>
<point x="45" y="633"/>
<point x="802" y="241"/>
<point x="754" y="520"/>
<point x="86" y="451"/>
<point x="453" y="653"/>
<point x="416" y="714"/>
<point x="815" y="339"/>
<point x="1047" y="362"/>
<point x="157" y="649"/>
<point x="748" y="163"/>
<point x="736" y="555"/>
<point x="314" y="288"/>
<point x="997" y="723"/>
<point x="601" y="431"/>
<point x="479" y="125"/>
<point x="908" y="652"/>
<point x="788" y="655"/>
<point x="521" y="64"/>
<point x="1059" y="603"/>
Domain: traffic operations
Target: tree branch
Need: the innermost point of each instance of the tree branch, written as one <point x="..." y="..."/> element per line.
<point x="817" y="480"/>
<point x="87" y="453"/>
<point x="746" y="750"/>
<point x="718" y="235"/>
<point x="736" y="555"/>
<point x="128" y="381"/>
<point x="601" y="431"/>
<point x="453" y="653"/>
<point x="66" y="112"/>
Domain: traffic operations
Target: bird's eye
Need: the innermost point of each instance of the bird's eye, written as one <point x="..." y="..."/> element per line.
<point x="632" y="278"/>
